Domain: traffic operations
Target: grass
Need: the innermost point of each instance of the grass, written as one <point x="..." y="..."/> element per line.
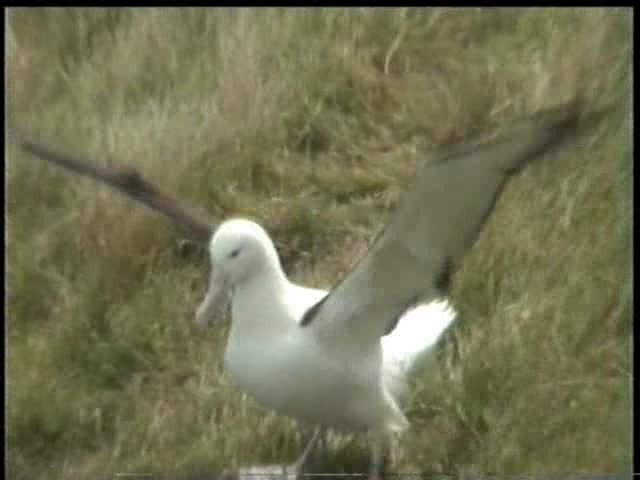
<point x="311" y="121"/>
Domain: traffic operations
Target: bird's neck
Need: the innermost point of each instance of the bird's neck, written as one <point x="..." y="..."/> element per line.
<point x="258" y="303"/>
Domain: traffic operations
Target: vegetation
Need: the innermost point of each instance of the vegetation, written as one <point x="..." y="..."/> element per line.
<point x="311" y="121"/>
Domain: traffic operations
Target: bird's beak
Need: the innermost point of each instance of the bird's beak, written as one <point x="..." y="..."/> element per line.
<point x="214" y="304"/>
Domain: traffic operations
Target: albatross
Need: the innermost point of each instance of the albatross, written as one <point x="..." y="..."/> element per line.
<point x="339" y="359"/>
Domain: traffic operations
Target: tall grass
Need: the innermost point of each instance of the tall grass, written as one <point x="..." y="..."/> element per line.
<point x="311" y="121"/>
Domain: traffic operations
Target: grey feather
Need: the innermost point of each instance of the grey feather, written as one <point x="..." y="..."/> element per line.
<point x="437" y="221"/>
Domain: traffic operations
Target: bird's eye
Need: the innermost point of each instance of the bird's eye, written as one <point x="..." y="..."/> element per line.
<point x="234" y="253"/>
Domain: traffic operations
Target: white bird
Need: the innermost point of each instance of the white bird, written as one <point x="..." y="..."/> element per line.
<point x="309" y="372"/>
<point x="340" y="359"/>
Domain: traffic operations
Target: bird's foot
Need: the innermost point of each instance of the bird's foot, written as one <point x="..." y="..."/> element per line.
<point x="292" y="472"/>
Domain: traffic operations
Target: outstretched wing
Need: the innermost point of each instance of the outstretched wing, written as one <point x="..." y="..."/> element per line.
<point x="127" y="181"/>
<point x="437" y="221"/>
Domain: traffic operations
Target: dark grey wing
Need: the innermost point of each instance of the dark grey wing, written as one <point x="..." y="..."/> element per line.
<point x="437" y="221"/>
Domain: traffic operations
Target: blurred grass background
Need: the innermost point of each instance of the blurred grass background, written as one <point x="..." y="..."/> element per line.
<point x="312" y="122"/>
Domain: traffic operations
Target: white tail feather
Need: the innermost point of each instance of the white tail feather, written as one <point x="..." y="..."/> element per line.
<point x="412" y="340"/>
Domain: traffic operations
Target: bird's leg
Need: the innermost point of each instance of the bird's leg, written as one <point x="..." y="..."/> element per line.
<point x="378" y="448"/>
<point x="321" y="451"/>
<point x="300" y="463"/>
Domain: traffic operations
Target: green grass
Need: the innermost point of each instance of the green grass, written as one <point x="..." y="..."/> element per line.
<point x="311" y="122"/>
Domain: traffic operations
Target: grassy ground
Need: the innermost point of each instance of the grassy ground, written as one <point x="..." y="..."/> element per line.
<point x="312" y="122"/>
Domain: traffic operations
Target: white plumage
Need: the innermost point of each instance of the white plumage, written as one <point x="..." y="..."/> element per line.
<point x="298" y="370"/>
<point x="341" y="359"/>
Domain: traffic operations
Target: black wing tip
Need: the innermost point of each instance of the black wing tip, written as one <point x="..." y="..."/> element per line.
<point x="564" y="118"/>
<point x="545" y="130"/>
<point x="571" y="117"/>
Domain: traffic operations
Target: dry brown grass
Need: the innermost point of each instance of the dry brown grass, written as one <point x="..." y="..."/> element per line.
<point x="311" y="121"/>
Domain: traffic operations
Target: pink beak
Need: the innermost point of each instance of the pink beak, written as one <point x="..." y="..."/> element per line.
<point x="214" y="304"/>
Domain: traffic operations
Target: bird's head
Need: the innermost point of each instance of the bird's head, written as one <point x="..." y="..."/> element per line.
<point x="240" y="250"/>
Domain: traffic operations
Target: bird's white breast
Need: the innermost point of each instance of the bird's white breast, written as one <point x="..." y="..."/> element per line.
<point x="285" y="368"/>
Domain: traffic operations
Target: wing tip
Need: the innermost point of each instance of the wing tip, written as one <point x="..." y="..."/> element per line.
<point x="544" y="131"/>
<point x="571" y="117"/>
<point x="564" y="118"/>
